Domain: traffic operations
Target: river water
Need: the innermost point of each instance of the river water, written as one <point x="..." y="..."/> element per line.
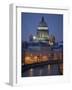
<point x="46" y="70"/>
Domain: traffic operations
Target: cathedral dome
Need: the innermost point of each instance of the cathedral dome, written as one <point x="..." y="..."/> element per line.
<point x="42" y="31"/>
<point x="42" y="23"/>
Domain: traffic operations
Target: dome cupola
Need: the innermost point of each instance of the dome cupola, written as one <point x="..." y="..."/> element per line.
<point x="42" y="25"/>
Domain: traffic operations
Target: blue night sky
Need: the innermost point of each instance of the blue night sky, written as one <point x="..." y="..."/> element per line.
<point x="30" y="22"/>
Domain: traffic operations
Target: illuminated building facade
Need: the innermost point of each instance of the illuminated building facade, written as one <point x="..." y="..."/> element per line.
<point x="42" y="31"/>
<point x="42" y="34"/>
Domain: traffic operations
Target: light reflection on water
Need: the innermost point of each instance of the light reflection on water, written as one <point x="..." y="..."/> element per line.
<point x="42" y="71"/>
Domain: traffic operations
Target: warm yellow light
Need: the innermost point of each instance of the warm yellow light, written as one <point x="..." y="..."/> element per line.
<point x="31" y="55"/>
<point x="45" y="57"/>
<point x="27" y="58"/>
<point x="35" y="57"/>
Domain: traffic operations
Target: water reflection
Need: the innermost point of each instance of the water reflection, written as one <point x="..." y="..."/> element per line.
<point x="31" y="72"/>
<point x="49" y="69"/>
<point x="42" y="71"/>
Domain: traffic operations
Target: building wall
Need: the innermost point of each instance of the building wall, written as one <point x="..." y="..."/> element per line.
<point x="30" y="58"/>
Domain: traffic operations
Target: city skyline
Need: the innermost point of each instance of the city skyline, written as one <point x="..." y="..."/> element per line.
<point x="30" y="22"/>
<point x="42" y="50"/>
